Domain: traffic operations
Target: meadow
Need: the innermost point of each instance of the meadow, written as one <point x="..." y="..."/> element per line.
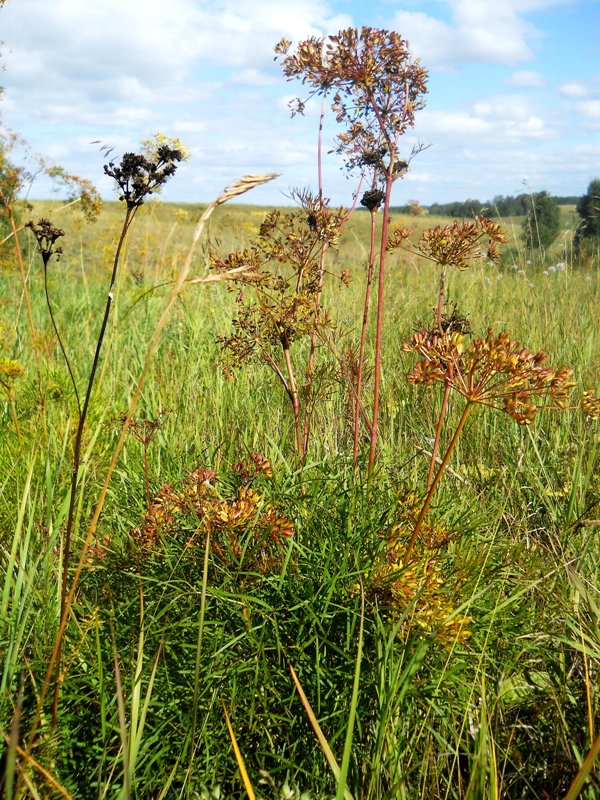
<point x="202" y="661"/>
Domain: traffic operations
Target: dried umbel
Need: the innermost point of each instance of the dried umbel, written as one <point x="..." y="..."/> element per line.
<point x="494" y="371"/>
<point x="141" y="174"/>
<point x="377" y="89"/>
<point x="46" y="235"/>
<point x="459" y="244"/>
<point x="245" y="528"/>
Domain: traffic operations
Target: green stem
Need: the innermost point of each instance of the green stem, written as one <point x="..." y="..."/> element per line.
<point x="129" y="215"/>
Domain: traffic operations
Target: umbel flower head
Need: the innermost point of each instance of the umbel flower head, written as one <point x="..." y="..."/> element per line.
<point x="46" y="235"/>
<point x="377" y="89"/>
<point x="457" y="244"/>
<point x="494" y="371"/>
<point x="141" y="174"/>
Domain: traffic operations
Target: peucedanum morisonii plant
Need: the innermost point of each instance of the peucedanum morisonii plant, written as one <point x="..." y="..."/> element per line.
<point x="246" y="529"/>
<point x="376" y="90"/>
<point x="279" y="301"/>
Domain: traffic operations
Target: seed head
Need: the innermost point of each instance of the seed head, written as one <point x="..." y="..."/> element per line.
<point x="139" y="175"/>
<point x="46" y="235"/>
<point x="495" y="371"/>
<point x="462" y="242"/>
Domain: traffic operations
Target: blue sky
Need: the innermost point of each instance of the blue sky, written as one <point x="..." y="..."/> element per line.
<point x="513" y="104"/>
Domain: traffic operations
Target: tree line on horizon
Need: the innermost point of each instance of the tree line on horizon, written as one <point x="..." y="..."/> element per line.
<point x="500" y="206"/>
<point x="541" y="210"/>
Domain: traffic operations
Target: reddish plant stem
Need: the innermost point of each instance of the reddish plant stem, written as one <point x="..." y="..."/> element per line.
<point x="363" y="339"/>
<point x="313" y="339"/>
<point x="427" y="502"/>
<point x="379" y="329"/>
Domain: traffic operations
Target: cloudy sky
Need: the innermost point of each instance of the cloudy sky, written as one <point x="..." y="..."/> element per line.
<point x="513" y="104"/>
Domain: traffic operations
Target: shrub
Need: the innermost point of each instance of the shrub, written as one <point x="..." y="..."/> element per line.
<point x="588" y="209"/>
<point x="542" y="224"/>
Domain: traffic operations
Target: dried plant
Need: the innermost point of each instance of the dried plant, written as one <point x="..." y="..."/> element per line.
<point x="457" y="245"/>
<point x="144" y="430"/>
<point x="246" y="530"/>
<point x="494" y="371"/>
<point x="377" y="90"/>
<point x="279" y="299"/>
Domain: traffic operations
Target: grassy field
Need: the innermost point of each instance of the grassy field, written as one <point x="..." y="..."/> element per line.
<point x="470" y="673"/>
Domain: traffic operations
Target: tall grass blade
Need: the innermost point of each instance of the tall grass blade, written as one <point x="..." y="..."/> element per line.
<point x="331" y="759"/>
<point x="238" y="756"/>
<point x="584" y="771"/>
<point x="341" y="790"/>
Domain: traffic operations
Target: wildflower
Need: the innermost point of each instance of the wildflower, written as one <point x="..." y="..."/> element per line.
<point x="141" y="174"/>
<point x="377" y="89"/>
<point x="46" y="235"/>
<point x="494" y="371"/>
<point x="458" y="244"/>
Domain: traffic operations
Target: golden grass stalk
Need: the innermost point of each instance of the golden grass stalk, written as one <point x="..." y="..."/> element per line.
<point x="238" y="756"/>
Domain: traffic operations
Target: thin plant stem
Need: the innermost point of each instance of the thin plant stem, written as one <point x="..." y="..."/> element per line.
<point x="363" y="339"/>
<point x="440" y="304"/>
<point x="146" y="477"/>
<point x="438" y="431"/>
<point x="313" y="339"/>
<point x="294" y="397"/>
<point x="129" y="216"/>
<point x="427" y="502"/>
<point x="379" y="328"/>
<point x="57" y="332"/>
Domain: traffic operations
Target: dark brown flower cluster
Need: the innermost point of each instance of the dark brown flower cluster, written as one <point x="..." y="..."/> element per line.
<point x="139" y="175"/>
<point x="245" y="528"/>
<point x="462" y="242"/>
<point x="495" y="371"/>
<point x="377" y="89"/>
<point x="46" y="235"/>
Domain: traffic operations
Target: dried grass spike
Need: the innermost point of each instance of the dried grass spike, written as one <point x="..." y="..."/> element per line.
<point x="243" y="185"/>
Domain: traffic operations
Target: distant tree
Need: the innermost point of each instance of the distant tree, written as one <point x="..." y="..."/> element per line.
<point x="542" y="224"/>
<point x="588" y="208"/>
<point x="415" y="208"/>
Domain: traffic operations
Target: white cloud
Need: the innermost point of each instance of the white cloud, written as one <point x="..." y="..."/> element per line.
<point x="253" y="77"/>
<point x="589" y="109"/>
<point x="481" y="31"/>
<point x="573" y="90"/>
<point x="527" y="80"/>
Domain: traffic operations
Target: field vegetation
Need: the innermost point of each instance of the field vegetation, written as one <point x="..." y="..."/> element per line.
<point x="226" y="571"/>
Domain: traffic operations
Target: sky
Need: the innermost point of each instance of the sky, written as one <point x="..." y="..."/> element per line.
<point x="513" y="103"/>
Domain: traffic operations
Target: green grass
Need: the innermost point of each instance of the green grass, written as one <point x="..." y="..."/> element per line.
<point x="509" y="712"/>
